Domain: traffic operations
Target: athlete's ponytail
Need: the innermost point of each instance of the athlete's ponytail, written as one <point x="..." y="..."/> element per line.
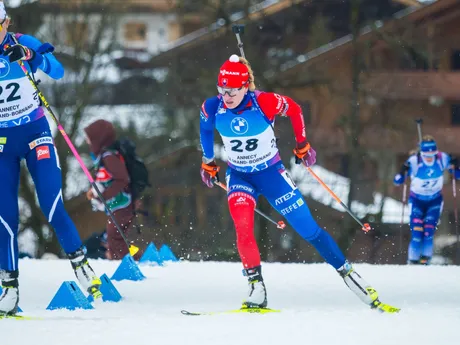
<point x="252" y="85"/>
<point x="427" y="137"/>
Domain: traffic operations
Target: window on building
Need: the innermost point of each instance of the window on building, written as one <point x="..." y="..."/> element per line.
<point x="455" y="60"/>
<point x="455" y="114"/>
<point x="135" y="31"/>
<point x="76" y="34"/>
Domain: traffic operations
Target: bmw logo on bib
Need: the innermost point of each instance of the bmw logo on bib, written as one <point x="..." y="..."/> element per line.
<point x="4" y="68"/>
<point x="239" y="125"/>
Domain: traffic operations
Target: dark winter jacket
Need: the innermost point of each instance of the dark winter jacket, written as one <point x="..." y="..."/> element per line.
<point x="112" y="171"/>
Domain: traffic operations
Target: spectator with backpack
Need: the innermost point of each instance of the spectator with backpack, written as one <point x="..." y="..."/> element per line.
<point x="120" y="175"/>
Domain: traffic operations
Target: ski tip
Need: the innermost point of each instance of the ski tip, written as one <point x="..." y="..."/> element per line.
<point x="387" y="309"/>
<point x="392" y="310"/>
<point x="185" y="312"/>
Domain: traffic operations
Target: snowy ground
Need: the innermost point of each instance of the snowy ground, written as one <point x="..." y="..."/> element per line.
<point x="317" y="308"/>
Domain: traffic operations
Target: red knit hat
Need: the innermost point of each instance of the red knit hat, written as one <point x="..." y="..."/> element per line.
<point x="233" y="73"/>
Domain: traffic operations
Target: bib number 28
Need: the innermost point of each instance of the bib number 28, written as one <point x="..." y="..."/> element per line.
<point x="249" y="145"/>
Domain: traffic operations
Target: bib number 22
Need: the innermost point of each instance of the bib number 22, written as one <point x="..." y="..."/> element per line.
<point x="13" y="89"/>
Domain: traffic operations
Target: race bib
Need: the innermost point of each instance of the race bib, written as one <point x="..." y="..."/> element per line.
<point x="251" y="151"/>
<point x="17" y="98"/>
<point x="427" y="186"/>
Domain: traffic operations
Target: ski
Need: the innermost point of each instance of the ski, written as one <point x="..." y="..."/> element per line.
<point x="385" y="308"/>
<point x="380" y="307"/>
<point x="19" y="317"/>
<point x="235" y="311"/>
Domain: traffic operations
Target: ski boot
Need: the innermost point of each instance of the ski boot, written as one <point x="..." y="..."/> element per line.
<point x="363" y="290"/>
<point x="9" y="298"/>
<point x="425" y="260"/>
<point x="257" y="295"/>
<point x="84" y="273"/>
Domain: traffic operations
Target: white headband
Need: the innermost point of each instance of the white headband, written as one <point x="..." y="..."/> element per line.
<point x="2" y="11"/>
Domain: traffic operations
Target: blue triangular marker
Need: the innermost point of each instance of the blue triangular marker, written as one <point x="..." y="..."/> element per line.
<point x="151" y="255"/>
<point x="166" y="254"/>
<point x="128" y="270"/>
<point x="19" y="309"/>
<point x="108" y="290"/>
<point x="69" y="296"/>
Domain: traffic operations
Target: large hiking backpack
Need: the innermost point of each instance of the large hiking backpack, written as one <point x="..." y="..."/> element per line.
<point x="138" y="173"/>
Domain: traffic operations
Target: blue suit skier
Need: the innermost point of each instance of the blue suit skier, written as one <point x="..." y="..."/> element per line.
<point x="25" y="134"/>
<point x="426" y="170"/>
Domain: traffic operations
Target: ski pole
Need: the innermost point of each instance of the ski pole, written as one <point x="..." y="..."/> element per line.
<point x="365" y="227"/>
<point x="419" y="129"/>
<point x="280" y="225"/>
<point x="132" y="248"/>
<point x="454" y="193"/>
<point x="237" y="30"/>
<point x="404" y="196"/>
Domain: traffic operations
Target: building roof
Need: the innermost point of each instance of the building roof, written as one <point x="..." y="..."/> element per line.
<point x="263" y="8"/>
<point x="414" y="14"/>
<point x="300" y="13"/>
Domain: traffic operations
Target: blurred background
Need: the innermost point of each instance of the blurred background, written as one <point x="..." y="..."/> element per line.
<point x="362" y="70"/>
